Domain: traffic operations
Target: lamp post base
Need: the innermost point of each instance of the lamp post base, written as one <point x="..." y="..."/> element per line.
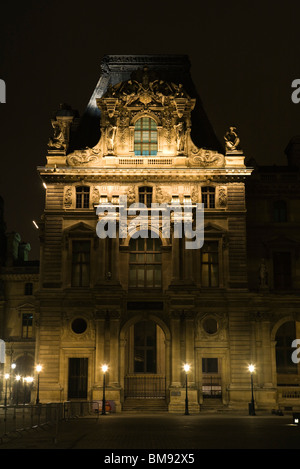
<point x="251" y="408"/>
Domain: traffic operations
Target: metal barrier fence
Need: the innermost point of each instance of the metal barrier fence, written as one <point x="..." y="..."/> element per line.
<point x="17" y="418"/>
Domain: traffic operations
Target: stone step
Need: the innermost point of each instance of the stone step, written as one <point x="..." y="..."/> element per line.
<point x="145" y="405"/>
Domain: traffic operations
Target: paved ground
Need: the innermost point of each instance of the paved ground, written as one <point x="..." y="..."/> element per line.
<point x="163" y="432"/>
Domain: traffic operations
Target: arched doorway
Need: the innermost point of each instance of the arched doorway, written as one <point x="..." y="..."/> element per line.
<point x="22" y="389"/>
<point x="145" y="363"/>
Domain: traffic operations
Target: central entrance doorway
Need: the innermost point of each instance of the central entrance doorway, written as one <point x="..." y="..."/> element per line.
<point x="145" y="362"/>
<point x="78" y="378"/>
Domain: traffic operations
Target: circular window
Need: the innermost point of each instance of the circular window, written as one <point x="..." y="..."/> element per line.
<point x="210" y="325"/>
<point x="79" y="326"/>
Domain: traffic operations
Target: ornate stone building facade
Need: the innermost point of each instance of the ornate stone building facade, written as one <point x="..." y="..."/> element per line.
<point x="147" y="305"/>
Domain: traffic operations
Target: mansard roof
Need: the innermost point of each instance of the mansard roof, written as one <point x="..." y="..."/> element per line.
<point x="119" y="68"/>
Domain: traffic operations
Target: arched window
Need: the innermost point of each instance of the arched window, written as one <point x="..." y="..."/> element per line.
<point x="145" y="137"/>
<point x="145" y="262"/>
<point x="145" y="347"/>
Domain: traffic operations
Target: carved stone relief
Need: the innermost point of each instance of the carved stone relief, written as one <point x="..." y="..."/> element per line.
<point x="68" y="198"/>
<point x="222" y="197"/>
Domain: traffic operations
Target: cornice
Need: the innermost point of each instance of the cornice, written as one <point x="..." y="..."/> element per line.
<point x="108" y="174"/>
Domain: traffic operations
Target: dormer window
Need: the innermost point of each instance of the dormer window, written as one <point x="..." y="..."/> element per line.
<point x="145" y="137"/>
<point x="208" y="197"/>
<point x="145" y="196"/>
<point x="82" y="197"/>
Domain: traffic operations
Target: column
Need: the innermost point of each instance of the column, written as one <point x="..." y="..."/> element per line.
<point x="175" y="347"/>
<point x="190" y="346"/>
<point x="100" y="343"/>
<point x="175" y="260"/>
<point x="114" y="328"/>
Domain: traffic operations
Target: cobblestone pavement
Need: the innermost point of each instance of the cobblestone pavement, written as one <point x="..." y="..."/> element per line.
<point x="162" y="432"/>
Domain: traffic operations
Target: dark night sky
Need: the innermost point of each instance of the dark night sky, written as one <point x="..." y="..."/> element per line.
<point x="244" y="57"/>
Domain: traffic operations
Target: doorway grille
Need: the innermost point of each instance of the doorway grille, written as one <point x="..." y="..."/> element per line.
<point x="145" y="386"/>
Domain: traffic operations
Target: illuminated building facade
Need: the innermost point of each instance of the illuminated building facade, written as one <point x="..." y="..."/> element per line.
<point x="145" y="306"/>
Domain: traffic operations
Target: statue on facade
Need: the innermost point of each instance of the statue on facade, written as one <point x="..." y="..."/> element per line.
<point x="232" y="140"/>
<point x="110" y="137"/>
<point x="180" y="136"/>
<point x="58" y="141"/>
<point x="263" y="274"/>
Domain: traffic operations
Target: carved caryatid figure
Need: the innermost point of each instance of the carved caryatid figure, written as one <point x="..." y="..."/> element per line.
<point x="180" y="136"/>
<point x="232" y="140"/>
<point x="110" y="137"/>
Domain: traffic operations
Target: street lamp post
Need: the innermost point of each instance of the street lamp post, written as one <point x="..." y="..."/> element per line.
<point x="252" y="407"/>
<point x="13" y="367"/>
<point x="18" y="378"/>
<point x="104" y="369"/>
<point x="6" y="376"/>
<point x="27" y="380"/>
<point x="186" y="369"/>
<point x="38" y="369"/>
<point x="24" y="390"/>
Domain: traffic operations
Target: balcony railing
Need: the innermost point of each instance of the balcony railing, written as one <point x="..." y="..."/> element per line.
<point x="145" y="161"/>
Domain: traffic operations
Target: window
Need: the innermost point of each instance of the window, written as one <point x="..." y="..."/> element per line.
<point x="79" y="325"/>
<point x="145" y="137"/>
<point x="145" y="196"/>
<point x="145" y="347"/>
<point x="208" y="197"/>
<point x="284" y="338"/>
<point x="82" y="197"/>
<point x="282" y="270"/>
<point x="280" y="211"/>
<point x="210" y="325"/>
<point x="80" y="263"/>
<point x="78" y="378"/>
<point x="145" y="262"/>
<point x="210" y="365"/>
<point x="27" y="325"/>
<point x="28" y="290"/>
<point x="210" y="264"/>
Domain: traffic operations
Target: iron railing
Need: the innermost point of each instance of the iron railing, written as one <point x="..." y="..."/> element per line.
<point x="211" y="386"/>
<point x="144" y="386"/>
